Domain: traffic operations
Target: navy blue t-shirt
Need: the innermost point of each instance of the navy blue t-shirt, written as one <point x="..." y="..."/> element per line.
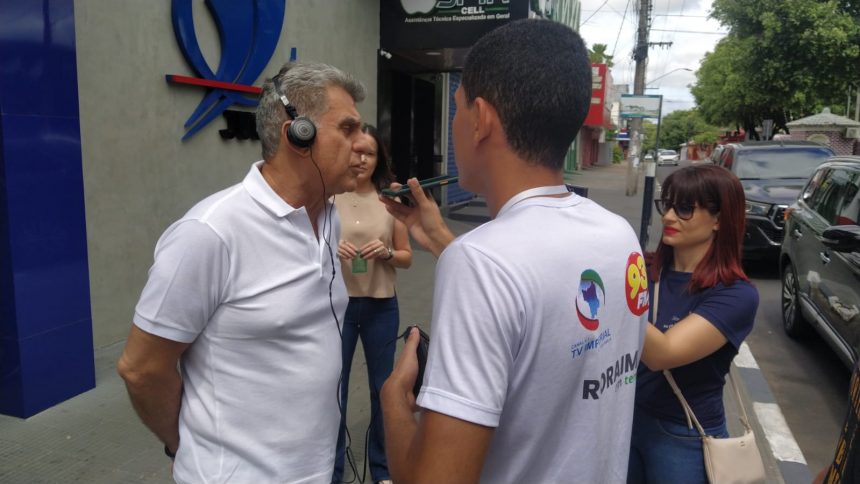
<point x="731" y="309"/>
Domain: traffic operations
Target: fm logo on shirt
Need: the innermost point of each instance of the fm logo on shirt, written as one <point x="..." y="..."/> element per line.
<point x="636" y="284"/>
<point x="622" y="372"/>
<point x="590" y="299"/>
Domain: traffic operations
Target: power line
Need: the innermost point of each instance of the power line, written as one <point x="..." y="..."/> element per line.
<point x="689" y="32"/>
<point x="620" y="28"/>
<point x="595" y="12"/>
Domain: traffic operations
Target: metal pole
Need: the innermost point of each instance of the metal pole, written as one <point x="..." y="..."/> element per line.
<point x="648" y="190"/>
<point x="857" y="105"/>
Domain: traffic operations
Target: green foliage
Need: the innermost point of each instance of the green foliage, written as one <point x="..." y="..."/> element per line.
<point x="707" y="137"/>
<point x="611" y="133"/>
<point x="783" y="59"/>
<point x="678" y="127"/>
<point x="617" y="154"/>
<point x="597" y="55"/>
<point x="649" y="129"/>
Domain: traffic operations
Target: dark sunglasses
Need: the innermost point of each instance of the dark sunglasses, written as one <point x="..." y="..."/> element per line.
<point x="684" y="211"/>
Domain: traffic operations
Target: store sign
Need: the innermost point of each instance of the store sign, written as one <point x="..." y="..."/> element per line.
<point x="440" y="24"/>
<point x="597" y="109"/>
<point x="633" y="106"/>
<point x="249" y="32"/>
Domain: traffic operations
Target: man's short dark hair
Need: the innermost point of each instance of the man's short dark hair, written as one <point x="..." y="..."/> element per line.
<point x="537" y="75"/>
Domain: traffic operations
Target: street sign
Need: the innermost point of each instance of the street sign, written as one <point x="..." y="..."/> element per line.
<point x="633" y="106"/>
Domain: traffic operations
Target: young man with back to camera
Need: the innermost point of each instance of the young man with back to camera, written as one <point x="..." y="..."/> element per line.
<point x="245" y="298"/>
<point x="538" y="315"/>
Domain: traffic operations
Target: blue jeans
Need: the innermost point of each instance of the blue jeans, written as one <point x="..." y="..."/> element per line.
<point x="376" y="321"/>
<point x="666" y="452"/>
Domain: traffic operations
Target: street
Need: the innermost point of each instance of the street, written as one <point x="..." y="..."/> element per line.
<point x="809" y="382"/>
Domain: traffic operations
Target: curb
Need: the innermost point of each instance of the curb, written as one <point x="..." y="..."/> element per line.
<point x="780" y="450"/>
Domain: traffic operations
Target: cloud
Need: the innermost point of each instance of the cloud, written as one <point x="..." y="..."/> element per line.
<point x="684" y="23"/>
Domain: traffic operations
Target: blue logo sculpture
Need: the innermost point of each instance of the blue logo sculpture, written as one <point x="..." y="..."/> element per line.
<point x="249" y="31"/>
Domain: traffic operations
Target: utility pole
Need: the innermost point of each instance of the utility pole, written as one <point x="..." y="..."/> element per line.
<point x="640" y="55"/>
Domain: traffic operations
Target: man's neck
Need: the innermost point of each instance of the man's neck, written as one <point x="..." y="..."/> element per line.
<point x="513" y="175"/>
<point x="299" y="188"/>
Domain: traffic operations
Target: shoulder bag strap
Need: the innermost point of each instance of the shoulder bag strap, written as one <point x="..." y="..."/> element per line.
<point x="688" y="412"/>
<point x="745" y="421"/>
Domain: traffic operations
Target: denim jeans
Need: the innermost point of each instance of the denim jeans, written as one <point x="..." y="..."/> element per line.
<point x="666" y="452"/>
<point x="376" y="321"/>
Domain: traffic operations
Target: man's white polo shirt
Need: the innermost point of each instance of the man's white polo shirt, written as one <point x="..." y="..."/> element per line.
<point x="244" y="279"/>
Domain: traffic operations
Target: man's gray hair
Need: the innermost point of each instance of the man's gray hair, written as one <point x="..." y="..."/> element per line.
<point x="304" y="84"/>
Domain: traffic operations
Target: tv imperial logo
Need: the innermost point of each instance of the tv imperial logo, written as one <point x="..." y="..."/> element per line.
<point x="248" y="32"/>
<point x="590" y="299"/>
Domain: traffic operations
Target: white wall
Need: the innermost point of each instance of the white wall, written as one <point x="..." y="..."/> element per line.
<point x="138" y="175"/>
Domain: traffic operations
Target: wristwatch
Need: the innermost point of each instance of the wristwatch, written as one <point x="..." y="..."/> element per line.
<point x="390" y="253"/>
<point x="168" y="453"/>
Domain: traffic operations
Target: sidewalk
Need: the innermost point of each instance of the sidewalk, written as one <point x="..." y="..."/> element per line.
<point x="97" y="438"/>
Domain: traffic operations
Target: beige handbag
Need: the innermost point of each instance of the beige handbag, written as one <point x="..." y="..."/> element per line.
<point x="733" y="460"/>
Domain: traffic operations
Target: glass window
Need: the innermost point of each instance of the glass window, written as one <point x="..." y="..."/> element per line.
<point x="836" y="198"/>
<point x="779" y="162"/>
<point x="849" y="210"/>
<point x="813" y="184"/>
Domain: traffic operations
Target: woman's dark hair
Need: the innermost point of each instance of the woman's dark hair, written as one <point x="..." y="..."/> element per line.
<point x="382" y="175"/>
<point x="721" y="193"/>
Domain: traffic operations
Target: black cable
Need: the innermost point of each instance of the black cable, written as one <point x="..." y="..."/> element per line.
<point x="327" y="225"/>
<point x="348" y="456"/>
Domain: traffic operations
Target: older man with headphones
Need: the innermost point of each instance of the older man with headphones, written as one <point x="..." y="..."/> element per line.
<point x="232" y="360"/>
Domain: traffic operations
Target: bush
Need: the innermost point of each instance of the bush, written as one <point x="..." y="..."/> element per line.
<point x="617" y="154"/>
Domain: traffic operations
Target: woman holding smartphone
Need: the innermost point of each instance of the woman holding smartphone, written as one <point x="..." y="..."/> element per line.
<point x="372" y="245"/>
<point x="705" y="308"/>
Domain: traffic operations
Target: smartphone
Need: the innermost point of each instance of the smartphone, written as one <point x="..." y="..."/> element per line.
<point x="423" y="348"/>
<point x="425" y="184"/>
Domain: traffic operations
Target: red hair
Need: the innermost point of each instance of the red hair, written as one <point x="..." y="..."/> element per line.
<point x="721" y="193"/>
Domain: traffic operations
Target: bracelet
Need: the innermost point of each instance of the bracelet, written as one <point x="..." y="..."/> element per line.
<point x="168" y="453"/>
<point x="390" y="253"/>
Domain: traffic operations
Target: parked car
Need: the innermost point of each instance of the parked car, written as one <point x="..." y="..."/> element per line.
<point x="668" y="157"/>
<point x="715" y="155"/>
<point x="820" y="258"/>
<point x="772" y="173"/>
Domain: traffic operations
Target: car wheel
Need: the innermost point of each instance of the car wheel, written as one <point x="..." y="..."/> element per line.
<point x="793" y="321"/>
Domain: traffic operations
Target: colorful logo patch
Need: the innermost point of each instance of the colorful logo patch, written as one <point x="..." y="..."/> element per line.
<point x="590" y="299"/>
<point x="636" y="284"/>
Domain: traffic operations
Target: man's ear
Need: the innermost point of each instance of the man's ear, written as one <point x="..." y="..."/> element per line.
<point x="285" y="127"/>
<point x="486" y="119"/>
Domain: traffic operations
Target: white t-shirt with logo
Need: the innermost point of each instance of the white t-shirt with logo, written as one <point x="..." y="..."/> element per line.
<point x="243" y="278"/>
<point x="538" y="322"/>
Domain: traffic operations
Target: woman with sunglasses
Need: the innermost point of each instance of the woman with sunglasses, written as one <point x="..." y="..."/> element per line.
<point x="705" y="308"/>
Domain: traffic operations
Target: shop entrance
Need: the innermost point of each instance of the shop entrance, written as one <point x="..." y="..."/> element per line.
<point x="410" y="107"/>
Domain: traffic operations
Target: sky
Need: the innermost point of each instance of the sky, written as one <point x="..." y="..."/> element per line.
<point x="685" y="23"/>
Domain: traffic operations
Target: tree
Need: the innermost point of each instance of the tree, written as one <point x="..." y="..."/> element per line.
<point x="679" y="127"/>
<point x="597" y="54"/>
<point x="649" y="130"/>
<point x="783" y="59"/>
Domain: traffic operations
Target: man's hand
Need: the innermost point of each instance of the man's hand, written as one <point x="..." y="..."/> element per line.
<point x="423" y="219"/>
<point x="439" y="449"/>
<point x="399" y="384"/>
<point x="398" y="409"/>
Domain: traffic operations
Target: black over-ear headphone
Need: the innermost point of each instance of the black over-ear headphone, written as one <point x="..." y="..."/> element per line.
<point x="302" y="130"/>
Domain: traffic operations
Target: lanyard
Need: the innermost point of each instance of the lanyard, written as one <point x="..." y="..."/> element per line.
<point x="533" y="192"/>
